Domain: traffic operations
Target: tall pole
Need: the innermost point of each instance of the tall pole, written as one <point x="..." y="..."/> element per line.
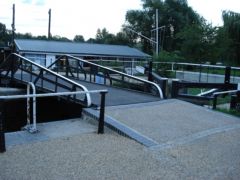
<point x="157" y="32"/>
<point x="13" y="25"/>
<point x="49" y="24"/>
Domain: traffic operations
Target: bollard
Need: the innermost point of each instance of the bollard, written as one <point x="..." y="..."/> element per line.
<point x="227" y="75"/>
<point x="175" y="88"/>
<point x="102" y="113"/>
<point x="234" y="103"/>
<point x="150" y="76"/>
<point x="2" y="135"/>
<point x="214" y="102"/>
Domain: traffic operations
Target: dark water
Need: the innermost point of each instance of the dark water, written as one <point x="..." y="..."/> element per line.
<point x="48" y="109"/>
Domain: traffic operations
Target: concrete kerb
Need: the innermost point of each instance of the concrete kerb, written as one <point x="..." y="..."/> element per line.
<point x="121" y="128"/>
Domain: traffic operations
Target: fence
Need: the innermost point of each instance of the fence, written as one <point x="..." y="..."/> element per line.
<point x="198" y="72"/>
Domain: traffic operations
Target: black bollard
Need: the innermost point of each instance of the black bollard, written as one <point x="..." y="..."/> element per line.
<point x="102" y="114"/>
<point x="2" y="135"/>
<point x="227" y="75"/>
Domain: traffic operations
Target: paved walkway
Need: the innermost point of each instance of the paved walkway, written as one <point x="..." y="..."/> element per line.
<point x="118" y="96"/>
<point x="173" y="121"/>
<point x="115" y="96"/>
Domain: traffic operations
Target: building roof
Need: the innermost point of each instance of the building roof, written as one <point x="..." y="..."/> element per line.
<point x="83" y="49"/>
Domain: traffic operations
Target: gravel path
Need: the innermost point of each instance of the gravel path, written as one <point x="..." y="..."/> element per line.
<point x="110" y="156"/>
<point x="202" y="147"/>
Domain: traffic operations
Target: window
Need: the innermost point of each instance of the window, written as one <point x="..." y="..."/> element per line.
<point x="37" y="58"/>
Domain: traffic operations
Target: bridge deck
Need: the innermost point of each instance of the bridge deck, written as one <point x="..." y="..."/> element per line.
<point x="115" y="96"/>
<point x="118" y="96"/>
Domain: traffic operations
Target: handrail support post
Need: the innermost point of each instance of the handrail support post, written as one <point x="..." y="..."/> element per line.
<point x="31" y="128"/>
<point x="2" y="134"/>
<point x="102" y="113"/>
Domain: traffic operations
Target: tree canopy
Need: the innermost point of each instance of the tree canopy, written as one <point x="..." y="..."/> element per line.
<point x="183" y="35"/>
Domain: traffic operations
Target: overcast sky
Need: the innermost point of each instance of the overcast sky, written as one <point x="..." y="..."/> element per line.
<point x="83" y="17"/>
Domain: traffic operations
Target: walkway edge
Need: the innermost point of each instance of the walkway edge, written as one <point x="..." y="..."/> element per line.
<point x="122" y="129"/>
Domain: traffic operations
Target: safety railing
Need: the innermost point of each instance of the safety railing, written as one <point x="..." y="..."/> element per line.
<point x="19" y="68"/>
<point x="181" y="89"/>
<point x="4" y="98"/>
<point x="197" y="72"/>
<point x="223" y="93"/>
<point x="80" y="69"/>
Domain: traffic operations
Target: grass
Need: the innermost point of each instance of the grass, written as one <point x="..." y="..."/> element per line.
<point x="231" y="111"/>
<point x="196" y="91"/>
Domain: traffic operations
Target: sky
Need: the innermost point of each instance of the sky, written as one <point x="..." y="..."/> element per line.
<point x="84" y="17"/>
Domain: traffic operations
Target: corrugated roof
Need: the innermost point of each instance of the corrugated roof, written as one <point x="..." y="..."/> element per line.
<point x="44" y="46"/>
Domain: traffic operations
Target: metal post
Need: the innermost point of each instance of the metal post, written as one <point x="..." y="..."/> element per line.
<point x="2" y="135"/>
<point x="102" y="113"/>
<point x="28" y="127"/>
<point x="49" y="23"/>
<point x="150" y="76"/>
<point x="200" y="73"/>
<point x="132" y="66"/>
<point x="174" y="92"/>
<point x="156" y="31"/>
<point x="164" y="87"/>
<point x="67" y="67"/>
<point x="13" y="26"/>
<point x="214" y="102"/>
<point x="227" y="75"/>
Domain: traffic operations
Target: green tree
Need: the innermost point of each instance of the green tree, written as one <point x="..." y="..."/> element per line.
<point x="78" y="38"/>
<point x="231" y="29"/>
<point x="104" y="37"/>
<point x="197" y="42"/>
<point x="5" y="35"/>
<point x="173" y="14"/>
<point x="59" y="38"/>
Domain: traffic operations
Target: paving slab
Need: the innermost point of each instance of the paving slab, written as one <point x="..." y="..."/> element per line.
<point x="50" y="130"/>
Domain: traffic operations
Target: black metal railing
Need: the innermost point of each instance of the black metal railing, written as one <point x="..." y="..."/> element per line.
<point x="198" y="72"/>
<point x="2" y="111"/>
<point x="235" y="94"/>
<point x="179" y="90"/>
<point x="162" y="82"/>
<point x="80" y="69"/>
<point x="19" y="68"/>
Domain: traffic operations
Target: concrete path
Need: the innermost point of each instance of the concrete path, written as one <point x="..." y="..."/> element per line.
<point x="50" y="130"/>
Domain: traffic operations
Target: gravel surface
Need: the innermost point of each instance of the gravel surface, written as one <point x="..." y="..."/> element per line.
<point x="111" y="156"/>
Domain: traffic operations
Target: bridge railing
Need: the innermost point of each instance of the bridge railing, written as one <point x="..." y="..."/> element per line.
<point x="225" y="93"/>
<point x="81" y="69"/>
<point x="19" y="68"/>
<point x="197" y="72"/>
<point x="3" y="98"/>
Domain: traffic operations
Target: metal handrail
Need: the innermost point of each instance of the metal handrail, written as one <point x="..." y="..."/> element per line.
<point x="225" y="92"/>
<point x="121" y="73"/>
<point x="216" y="94"/>
<point x="193" y="64"/>
<point x="88" y="98"/>
<point x="51" y="94"/>
<point x="101" y="115"/>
